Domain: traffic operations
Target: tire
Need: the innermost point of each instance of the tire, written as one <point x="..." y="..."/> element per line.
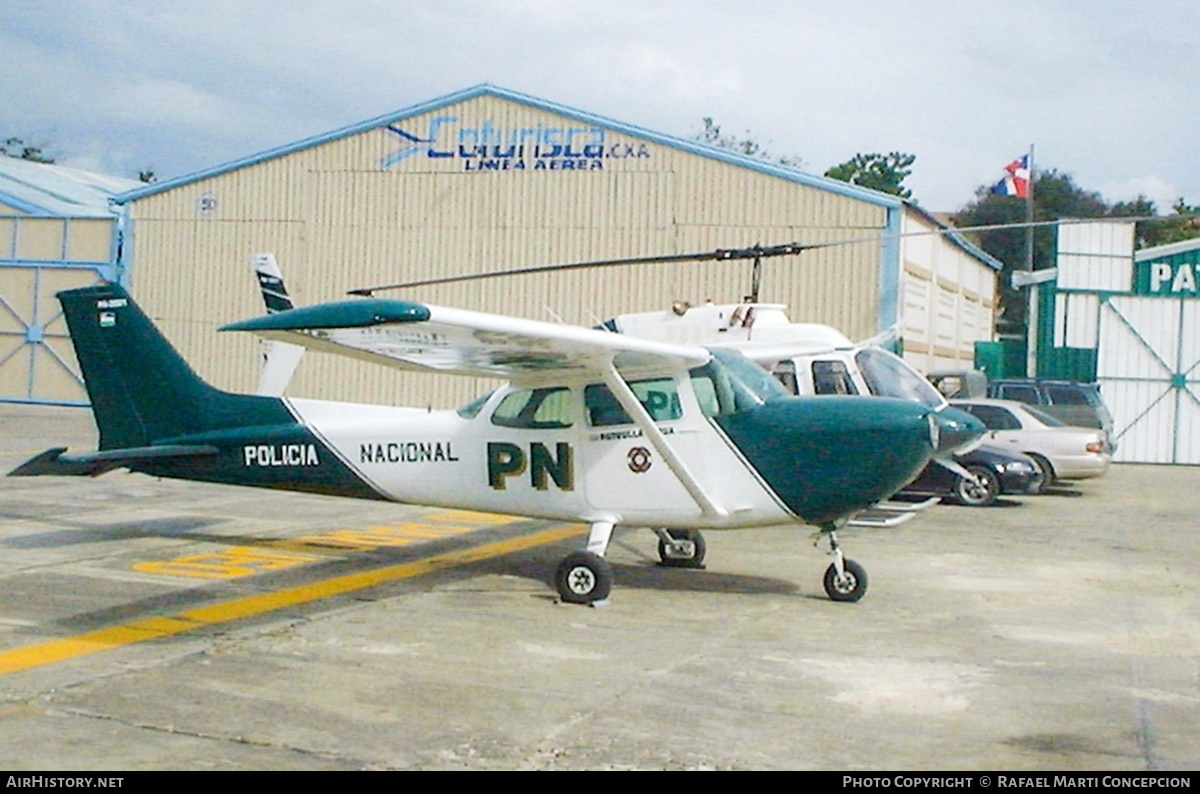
<point x="851" y="586"/>
<point x="977" y="494"/>
<point x="583" y="578"/>
<point x="1047" y="472"/>
<point x="693" y="560"/>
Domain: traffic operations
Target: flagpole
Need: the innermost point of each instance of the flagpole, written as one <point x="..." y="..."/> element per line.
<point x="1031" y="313"/>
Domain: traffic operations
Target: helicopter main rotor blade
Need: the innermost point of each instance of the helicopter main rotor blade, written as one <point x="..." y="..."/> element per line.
<point x="756" y="252"/>
<point x="721" y="254"/>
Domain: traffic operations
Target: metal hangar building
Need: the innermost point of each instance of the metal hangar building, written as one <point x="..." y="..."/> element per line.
<point x="57" y="230"/>
<point x="489" y="179"/>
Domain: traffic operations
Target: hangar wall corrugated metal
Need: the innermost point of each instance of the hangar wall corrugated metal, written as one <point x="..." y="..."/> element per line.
<point x="351" y="212"/>
<point x="949" y="298"/>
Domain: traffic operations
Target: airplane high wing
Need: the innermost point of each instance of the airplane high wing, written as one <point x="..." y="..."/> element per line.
<point x="596" y="427"/>
<point x="418" y="336"/>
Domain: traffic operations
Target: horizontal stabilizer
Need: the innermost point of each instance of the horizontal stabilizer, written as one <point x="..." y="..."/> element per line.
<point x="93" y="464"/>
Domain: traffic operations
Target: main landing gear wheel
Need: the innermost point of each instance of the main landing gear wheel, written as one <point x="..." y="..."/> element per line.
<point x="583" y="578"/>
<point x="681" y="548"/>
<point x="850" y="586"/>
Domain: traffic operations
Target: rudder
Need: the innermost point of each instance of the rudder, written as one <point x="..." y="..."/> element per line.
<point x="141" y="389"/>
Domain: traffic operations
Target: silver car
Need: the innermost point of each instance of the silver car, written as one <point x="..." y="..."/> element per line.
<point x="1061" y="451"/>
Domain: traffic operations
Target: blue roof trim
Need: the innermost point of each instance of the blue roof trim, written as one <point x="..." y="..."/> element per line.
<point x="21" y="205"/>
<point x="953" y="235"/>
<point x="486" y="89"/>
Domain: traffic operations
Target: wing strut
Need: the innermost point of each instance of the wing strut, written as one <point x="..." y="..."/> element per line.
<point x="633" y="406"/>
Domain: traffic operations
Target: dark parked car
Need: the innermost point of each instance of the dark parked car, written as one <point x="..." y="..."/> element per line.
<point x="996" y="471"/>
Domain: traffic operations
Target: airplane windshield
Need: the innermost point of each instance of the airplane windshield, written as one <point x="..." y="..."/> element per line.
<point x="730" y="383"/>
<point x="888" y="375"/>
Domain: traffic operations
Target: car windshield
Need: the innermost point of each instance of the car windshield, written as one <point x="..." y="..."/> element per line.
<point x="888" y="375"/>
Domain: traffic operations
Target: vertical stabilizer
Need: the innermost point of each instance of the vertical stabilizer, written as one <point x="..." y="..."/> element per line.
<point x="141" y="389"/>
<point x="280" y="359"/>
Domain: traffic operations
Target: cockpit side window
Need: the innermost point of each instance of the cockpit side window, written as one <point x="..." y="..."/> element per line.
<point x="660" y="398"/>
<point x="832" y="377"/>
<point x="535" y="409"/>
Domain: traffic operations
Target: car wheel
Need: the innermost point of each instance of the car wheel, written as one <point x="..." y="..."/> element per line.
<point x="1045" y="469"/>
<point x="981" y="491"/>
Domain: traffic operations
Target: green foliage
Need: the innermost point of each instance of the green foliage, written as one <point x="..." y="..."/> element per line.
<point x="1055" y="196"/>
<point x="16" y="147"/>
<point x="1184" y="224"/>
<point x="882" y="172"/>
<point x="712" y="135"/>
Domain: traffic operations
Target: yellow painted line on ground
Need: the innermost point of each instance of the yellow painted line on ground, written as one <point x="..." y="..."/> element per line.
<point x="165" y="626"/>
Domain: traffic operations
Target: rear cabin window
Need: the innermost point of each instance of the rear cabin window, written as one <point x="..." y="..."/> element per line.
<point x="535" y="409"/>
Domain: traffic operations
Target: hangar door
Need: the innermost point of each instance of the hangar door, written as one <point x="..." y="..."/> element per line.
<point x="39" y="257"/>
<point x="1149" y="372"/>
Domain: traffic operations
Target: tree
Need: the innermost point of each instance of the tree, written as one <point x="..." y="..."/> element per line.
<point x="1055" y="196"/>
<point x="16" y="147"/>
<point x="882" y="172"/>
<point x="711" y="134"/>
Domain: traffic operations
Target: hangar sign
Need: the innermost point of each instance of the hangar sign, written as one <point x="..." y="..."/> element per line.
<point x="487" y="146"/>
<point x="1174" y="276"/>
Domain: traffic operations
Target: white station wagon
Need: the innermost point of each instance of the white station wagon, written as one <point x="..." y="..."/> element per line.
<point x="1061" y="451"/>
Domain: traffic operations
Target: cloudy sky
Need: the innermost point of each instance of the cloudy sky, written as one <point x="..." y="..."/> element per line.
<point x="1103" y="89"/>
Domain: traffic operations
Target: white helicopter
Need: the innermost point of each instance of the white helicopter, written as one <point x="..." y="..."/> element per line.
<point x="601" y="428"/>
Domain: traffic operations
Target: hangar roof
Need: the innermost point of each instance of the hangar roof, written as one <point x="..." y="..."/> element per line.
<point x="45" y="189"/>
<point x="485" y="89"/>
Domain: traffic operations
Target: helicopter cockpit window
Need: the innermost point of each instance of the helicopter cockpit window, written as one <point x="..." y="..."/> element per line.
<point x="832" y="377"/>
<point x="887" y="375"/>
<point x="660" y="398"/>
<point x="535" y="409"/>
<point x="730" y="383"/>
<point x="785" y="372"/>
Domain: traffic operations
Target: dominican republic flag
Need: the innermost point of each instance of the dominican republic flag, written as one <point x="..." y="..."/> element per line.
<point x="1016" y="179"/>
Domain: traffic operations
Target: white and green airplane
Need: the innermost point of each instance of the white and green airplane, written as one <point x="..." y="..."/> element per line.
<point x="596" y="427"/>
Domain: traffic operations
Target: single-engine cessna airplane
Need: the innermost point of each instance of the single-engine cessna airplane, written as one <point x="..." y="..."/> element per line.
<point x="597" y="427"/>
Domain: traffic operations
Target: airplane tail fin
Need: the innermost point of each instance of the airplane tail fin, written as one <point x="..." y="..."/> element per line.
<point x="280" y="359"/>
<point x="141" y="389"/>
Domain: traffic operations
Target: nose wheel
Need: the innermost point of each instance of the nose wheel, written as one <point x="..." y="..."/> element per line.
<point x="845" y="579"/>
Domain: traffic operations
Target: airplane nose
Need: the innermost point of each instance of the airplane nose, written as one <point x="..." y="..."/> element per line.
<point x="952" y="429"/>
<point x="826" y="457"/>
